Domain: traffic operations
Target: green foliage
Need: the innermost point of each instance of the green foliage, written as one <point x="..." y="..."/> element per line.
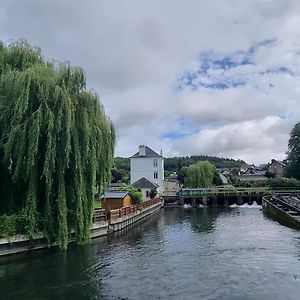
<point x="135" y="194"/>
<point x="97" y="204"/>
<point x="119" y="175"/>
<point x="217" y="179"/>
<point x="153" y="193"/>
<point x="284" y="182"/>
<point x="268" y="174"/>
<point x="56" y="143"/>
<point x="14" y="224"/>
<point x="293" y="167"/>
<point x="122" y="163"/>
<point x="181" y="176"/>
<point x="271" y="182"/>
<point x="200" y="174"/>
<point x="172" y="164"/>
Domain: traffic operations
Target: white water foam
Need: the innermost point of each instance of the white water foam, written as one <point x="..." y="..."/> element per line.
<point x="187" y="205"/>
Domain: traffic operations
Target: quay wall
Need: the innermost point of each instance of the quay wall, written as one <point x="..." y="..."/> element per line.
<point x="116" y="222"/>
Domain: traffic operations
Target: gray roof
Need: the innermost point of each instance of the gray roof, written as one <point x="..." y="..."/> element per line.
<point x="249" y="177"/>
<point x="149" y="153"/>
<point x="144" y="183"/>
<point x="115" y="195"/>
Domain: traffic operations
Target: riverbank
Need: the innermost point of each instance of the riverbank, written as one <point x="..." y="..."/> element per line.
<point x="118" y="219"/>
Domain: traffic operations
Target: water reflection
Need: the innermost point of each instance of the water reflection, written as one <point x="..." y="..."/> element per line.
<point x="207" y="253"/>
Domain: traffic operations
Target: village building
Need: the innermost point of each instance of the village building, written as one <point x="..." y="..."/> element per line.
<point x="145" y="186"/>
<point x="148" y="164"/>
<point x="276" y="167"/>
<point x="244" y="167"/>
<point x="171" y="186"/>
<point x="115" y="199"/>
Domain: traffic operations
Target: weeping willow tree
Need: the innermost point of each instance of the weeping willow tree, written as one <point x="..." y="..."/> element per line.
<point x="56" y="144"/>
<point x="200" y="174"/>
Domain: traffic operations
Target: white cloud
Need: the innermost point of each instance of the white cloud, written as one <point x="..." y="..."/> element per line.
<point x="134" y="52"/>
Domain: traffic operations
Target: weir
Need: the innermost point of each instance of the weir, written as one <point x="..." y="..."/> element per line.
<point x="224" y="196"/>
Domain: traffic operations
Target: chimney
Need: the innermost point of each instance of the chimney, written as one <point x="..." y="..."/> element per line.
<point x="142" y="150"/>
<point x="161" y="153"/>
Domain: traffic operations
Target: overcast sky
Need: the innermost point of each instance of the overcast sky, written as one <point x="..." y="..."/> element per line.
<point x="217" y="77"/>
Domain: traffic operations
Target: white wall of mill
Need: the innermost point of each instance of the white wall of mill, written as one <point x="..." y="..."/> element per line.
<point x="144" y="167"/>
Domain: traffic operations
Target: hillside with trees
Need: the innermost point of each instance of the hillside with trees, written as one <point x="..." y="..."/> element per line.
<point x="121" y="169"/>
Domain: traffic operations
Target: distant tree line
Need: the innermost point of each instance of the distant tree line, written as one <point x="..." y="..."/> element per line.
<point x="121" y="169"/>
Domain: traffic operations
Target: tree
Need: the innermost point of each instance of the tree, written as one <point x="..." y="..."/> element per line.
<point x="119" y="175"/>
<point x="293" y="166"/>
<point x="56" y="144"/>
<point x="200" y="174"/>
<point x="153" y="193"/>
<point x="135" y="194"/>
<point x="217" y="178"/>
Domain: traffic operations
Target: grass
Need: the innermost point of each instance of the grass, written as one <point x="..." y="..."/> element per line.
<point x="97" y="204"/>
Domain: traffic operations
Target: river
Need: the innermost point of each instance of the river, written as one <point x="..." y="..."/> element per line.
<point x="203" y="253"/>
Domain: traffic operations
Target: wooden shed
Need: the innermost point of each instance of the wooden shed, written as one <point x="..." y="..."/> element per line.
<point x="115" y="199"/>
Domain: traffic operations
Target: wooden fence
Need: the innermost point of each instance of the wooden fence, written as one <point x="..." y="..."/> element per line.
<point x="99" y="215"/>
<point x="127" y="210"/>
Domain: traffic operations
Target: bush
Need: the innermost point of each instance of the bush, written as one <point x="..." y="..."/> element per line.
<point x="284" y="182"/>
<point x="135" y="194"/>
<point x="11" y="225"/>
<point x="153" y="193"/>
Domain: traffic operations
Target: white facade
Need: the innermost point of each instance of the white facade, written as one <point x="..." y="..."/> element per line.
<point x="147" y="163"/>
<point x="146" y="193"/>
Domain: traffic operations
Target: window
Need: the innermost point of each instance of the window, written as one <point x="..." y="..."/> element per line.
<point x="147" y="194"/>
<point x="155" y="162"/>
<point x="155" y="175"/>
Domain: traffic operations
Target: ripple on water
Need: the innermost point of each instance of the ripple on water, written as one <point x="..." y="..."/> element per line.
<point x="229" y="253"/>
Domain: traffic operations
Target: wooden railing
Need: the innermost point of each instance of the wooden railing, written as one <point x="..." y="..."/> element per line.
<point x="127" y="210"/>
<point x="99" y="215"/>
<point x="151" y="202"/>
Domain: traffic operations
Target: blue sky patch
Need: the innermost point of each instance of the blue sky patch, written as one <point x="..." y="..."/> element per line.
<point x="213" y="71"/>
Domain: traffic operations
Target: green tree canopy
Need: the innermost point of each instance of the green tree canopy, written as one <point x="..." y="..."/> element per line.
<point x="135" y="194"/>
<point x="56" y="143"/>
<point x="293" y="167"/>
<point x="200" y="175"/>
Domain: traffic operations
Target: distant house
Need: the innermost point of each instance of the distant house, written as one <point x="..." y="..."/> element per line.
<point x="114" y="200"/>
<point x="251" y="173"/>
<point x="244" y="167"/>
<point x="276" y="167"/>
<point x="251" y="177"/>
<point x="149" y="164"/>
<point x="146" y="186"/>
<point x="228" y="172"/>
<point x="171" y="186"/>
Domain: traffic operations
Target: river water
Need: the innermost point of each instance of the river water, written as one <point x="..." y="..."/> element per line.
<point x="203" y="253"/>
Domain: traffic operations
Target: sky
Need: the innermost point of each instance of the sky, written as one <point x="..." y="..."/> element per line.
<point x="188" y="77"/>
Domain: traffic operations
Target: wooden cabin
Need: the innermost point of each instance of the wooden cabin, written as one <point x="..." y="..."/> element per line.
<point x="115" y="199"/>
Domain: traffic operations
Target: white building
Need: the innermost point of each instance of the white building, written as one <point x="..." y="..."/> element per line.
<point x="145" y="186"/>
<point x="149" y="164"/>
